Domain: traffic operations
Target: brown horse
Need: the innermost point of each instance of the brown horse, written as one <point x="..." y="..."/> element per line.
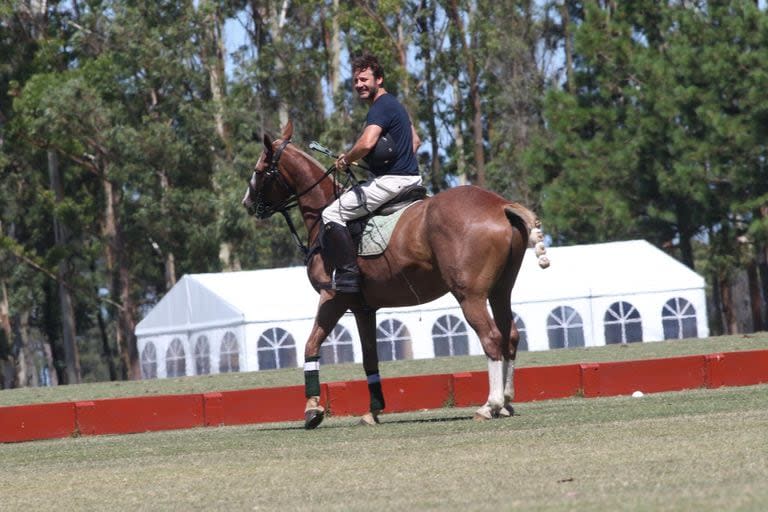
<point x="465" y="240"/>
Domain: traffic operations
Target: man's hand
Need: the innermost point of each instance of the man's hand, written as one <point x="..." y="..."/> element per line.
<point x="341" y="163"/>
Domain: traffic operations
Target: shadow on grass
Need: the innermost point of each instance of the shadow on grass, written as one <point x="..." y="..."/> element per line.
<point x="339" y="422"/>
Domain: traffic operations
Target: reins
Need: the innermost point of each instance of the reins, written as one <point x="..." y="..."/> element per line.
<point x="292" y="200"/>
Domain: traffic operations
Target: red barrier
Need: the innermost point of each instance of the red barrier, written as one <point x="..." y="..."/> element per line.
<point x="648" y="376"/>
<point x="259" y="405"/>
<point x="145" y="414"/>
<point x="739" y="368"/>
<point x="470" y="388"/>
<point x="415" y="393"/>
<point x="348" y="398"/>
<point x="547" y="382"/>
<point x="141" y="414"/>
<point x="39" y="421"/>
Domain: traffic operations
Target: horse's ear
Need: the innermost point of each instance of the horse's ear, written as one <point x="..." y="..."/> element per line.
<point x="288" y="130"/>
<point x="268" y="144"/>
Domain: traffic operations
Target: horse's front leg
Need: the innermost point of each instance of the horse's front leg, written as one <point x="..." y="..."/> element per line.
<point x="366" y="328"/>
<point x="328" y="314"/>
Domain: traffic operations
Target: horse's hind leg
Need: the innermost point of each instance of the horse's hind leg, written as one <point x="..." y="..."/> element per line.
<point x="491" y="338"/>
<point x="502" y="315"/>
<point x="365" y="318"/>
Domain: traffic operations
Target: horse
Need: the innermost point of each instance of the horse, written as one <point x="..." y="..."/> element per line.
<point x="464" y="240"/>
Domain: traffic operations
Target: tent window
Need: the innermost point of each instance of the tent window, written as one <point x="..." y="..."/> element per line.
<point x="523" y="343"/>
<point x="622" y="323"/>
<point x="149" y="361"/>
<point x="202" y="356"/>
<point x="678" y="317"/>
<point x="175" y="359"/>
<point x="393" y="341"/>
<point x="276" y="349"/>
<point x="229" y="356"/>
<point x="338" y="347"/>
<point x="565" y="328"/>
<point x="449" y="336"/>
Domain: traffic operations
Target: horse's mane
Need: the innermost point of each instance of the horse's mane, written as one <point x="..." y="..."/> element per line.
<point x="315" y="162"/>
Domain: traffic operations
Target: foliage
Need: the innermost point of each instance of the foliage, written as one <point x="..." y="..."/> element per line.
<point x="613" y="120"/>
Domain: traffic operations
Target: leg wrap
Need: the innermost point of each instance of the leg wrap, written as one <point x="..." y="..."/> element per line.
<point x="312" y="377"/>
<point x="374" y="389"/>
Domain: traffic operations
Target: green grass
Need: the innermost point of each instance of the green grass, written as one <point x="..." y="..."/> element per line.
<point x="702" y="450"/>
<point x="294" y="376"/>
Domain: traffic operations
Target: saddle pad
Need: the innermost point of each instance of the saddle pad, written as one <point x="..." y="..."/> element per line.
<point x="377" y="232"/>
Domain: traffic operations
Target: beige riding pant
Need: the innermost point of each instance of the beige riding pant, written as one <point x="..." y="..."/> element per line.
<point x="374" y="194"/>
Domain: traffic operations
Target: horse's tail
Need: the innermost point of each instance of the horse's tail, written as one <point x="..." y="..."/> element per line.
<point x="516" y="212"/>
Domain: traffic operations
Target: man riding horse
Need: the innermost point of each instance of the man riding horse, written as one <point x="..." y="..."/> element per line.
<point x="388" y="144"/>
<point x="465" y="240"/>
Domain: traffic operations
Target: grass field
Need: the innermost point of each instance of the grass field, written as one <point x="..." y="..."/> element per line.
<point x="294" y="376"/>
<point x="702" y="450"/>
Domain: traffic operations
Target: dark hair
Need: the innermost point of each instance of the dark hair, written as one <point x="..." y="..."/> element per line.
<point x="367" y="61"/>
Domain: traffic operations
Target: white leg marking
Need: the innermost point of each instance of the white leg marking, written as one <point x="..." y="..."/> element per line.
<point x="509" y="388"/>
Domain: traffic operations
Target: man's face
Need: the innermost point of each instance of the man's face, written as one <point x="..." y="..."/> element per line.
<point x="366" y="85"/>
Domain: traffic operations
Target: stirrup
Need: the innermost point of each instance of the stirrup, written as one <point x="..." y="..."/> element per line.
<point x="345" y="281"/>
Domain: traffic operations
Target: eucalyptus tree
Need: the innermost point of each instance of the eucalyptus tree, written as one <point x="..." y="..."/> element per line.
<point x="661" y="136"/>
<point x="131" y="115"/>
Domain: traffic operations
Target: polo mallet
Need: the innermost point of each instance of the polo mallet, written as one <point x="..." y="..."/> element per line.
<point x="327" y="152"/>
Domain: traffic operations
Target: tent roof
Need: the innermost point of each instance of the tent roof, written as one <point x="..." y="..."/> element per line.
<point x="617" y="268"/>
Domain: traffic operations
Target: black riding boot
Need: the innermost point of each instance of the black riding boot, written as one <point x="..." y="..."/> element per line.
<point x="340" y="253"/>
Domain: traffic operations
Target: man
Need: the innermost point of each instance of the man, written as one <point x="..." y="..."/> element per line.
<point x="388" y="144"/>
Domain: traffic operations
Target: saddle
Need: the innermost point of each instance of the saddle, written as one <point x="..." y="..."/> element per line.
<point x="371" y="232"/>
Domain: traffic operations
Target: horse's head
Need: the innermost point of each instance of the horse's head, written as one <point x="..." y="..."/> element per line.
<point x="268" y="192"/>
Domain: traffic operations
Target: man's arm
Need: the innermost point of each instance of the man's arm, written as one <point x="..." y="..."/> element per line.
<point x="416" y="139"/>
<point x="362" y="147"/>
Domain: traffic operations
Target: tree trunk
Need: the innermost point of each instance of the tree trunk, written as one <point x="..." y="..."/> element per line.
<point x="474" y="89"/>
<point x="61" y="235"/>
<point x="168" y="257"/>
<point x="426" y="24"/>
<point x="755" y="298"/>
<point x="334" y="50"/>
<point x="53" y="378"/>
<point x="216" y="65"/>
<point x="568" y="46"/>
<point x="106" y="349"/>
<point x="7" y="363"/>
<point x="117" y="265"/>
<point x="26" y="370"/>
<point x="729" y="314"/>
<point x="762" y="265"/>
<point x="458" y="134"/>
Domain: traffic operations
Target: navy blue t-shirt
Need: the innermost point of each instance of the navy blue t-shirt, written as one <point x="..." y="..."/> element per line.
<point x="393" y="119"/>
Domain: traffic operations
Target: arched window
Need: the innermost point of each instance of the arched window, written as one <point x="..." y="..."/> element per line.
<point x="176" y="359"/>
<point x="565" y="328"/>
<point x="337" y="347"/>
<point x="149" y="361"/>
<point x="678" y="317"/>
<point x="622" y="323"/>
<point x="229" y="355"/>
<point x="276" y="349"/>
<point x="202" y="356"/>
<point x="449" y="336"/>
<point x="522" y="345"/>
<point x="393" y="341"/>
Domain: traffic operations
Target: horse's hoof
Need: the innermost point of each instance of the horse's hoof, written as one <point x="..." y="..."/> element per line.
<point x="507" y="411"/>
<point x="483" y="414"/>
<point x="313" y="418"/>
<point x="369" y="420"/>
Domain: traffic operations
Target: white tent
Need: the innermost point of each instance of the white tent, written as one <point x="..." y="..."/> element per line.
<point x="591" y="295"/>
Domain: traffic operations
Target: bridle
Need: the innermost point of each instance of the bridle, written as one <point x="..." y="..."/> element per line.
<point x="261" y="209"/>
